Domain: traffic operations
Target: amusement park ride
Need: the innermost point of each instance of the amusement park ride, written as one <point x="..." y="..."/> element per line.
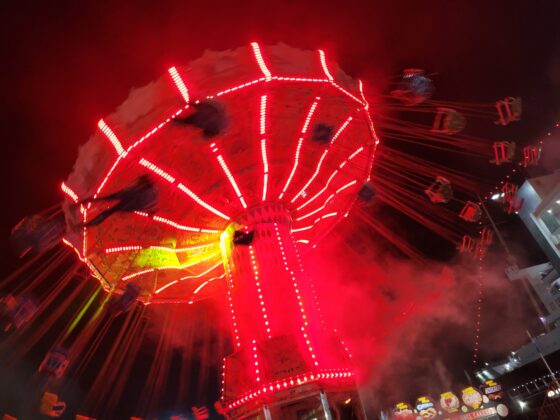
<point x="215" y="179"/>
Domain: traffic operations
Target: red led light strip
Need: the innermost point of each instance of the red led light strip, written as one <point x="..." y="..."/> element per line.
<point x="318" y="168"/>
<point x="298" y="148"/>
<point x="305" y="323"/>
<point x="352" y="156"/>
<point x="228" y="173"/>
<point x="260" y="61"/>
<point x="126" y="248"/>
<point x="255" y="268"/>
<point x="114" y="166"/>
<point x="157" y="170"/>
<point x="68" y="243"/>
<point x="111" y="136"/>
<point x="184" y="93"/>
<point x="229" y="279"/>
<point x="178" y="226"/>
<point x="361" y="87"/>
<point x="69" y="192"/>
<point x="256" y="361"/>
<point x="325" y="216"/>
<point x="291" y="382"/>
<point x="179" y="83"/>
<point x="263" y="146"/>
<point x="324" y="65"/>
<point x="233" y="89"/>
<point x="327" y="201"/>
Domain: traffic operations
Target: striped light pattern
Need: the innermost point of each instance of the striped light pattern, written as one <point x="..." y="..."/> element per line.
<point x="69" y="192"/>
<point x="179" y="83"/>
<point x="263" y="146"/>
<point x="111" y="136"/>
<point x="260" y="61"/>
<point x="324" y="65"/>
<point x="157" y="170"/>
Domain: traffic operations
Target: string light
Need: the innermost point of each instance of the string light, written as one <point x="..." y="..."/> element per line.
<point x="126" y="248"/>
<point x="228" y="173"/>
<point x="324" y="65"/>
<point x="292" y="382"/>
<point x="318" y="167"/>
<point x="111" y="136"/>
<point x="298" y="148"/>
<point x="305" y="323"/>
<point x="157" y="170"/>
<point x="260" y="61"/>
<point x="176" y="225"/>
<point x="263" y="146"/>
<point x="179" y="83"/>
<point x="333" y="174"/>
<point x="256" y="277"/>
<point x="69" y="192"/>
<point x="327" y="201"/>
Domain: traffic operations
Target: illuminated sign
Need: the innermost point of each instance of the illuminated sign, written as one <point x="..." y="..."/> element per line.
<point x="553" y="393"/>
<point x="471" y="397"/>
<point x="426" y="408"/>
<point x="449" y="402"/>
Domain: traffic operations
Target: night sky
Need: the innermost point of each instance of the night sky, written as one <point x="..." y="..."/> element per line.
<point x="66" y="65"/>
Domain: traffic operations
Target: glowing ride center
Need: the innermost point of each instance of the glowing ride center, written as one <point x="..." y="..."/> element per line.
<point x="237" y="209"/>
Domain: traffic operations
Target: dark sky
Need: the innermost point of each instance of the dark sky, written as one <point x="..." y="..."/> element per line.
<point x="65" y="65"/>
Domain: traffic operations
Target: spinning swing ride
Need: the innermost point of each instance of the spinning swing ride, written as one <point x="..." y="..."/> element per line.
<point x="216" y="178"/>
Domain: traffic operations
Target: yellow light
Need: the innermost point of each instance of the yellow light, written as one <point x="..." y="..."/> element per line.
<point x="348" y="401"/>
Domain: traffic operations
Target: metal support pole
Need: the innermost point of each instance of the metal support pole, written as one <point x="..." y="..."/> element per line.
<point x="325" y="403"/>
